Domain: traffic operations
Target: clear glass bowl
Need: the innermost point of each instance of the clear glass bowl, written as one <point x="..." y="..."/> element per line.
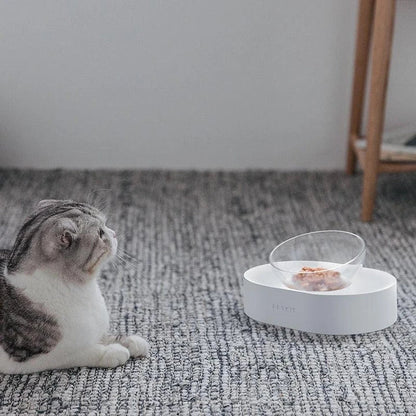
<point x="319" y="261"/>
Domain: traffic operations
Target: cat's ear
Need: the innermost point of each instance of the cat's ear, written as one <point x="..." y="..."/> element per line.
<point x="65" y="232"/>
<point x="60" y="236"/>
<point x="47" y="202"/>
<point x="66" y="238"/>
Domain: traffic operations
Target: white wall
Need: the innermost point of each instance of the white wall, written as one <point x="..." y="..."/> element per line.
<point x="186" y="84"/>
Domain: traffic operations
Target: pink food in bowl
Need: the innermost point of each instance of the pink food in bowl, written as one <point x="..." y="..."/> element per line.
<point x="318" y="279"/>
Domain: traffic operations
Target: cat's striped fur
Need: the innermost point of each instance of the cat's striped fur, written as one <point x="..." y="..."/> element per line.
<point x="26" y="329"/>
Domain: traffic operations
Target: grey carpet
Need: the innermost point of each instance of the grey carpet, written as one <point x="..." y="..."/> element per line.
<point x="193" y="235"/>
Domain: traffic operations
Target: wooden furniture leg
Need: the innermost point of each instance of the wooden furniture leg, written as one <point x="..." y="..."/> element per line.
<point x="362" y="52"/>
<point x="381" y="51"/>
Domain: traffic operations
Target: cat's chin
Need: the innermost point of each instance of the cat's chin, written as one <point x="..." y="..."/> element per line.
<point x="101" y="262"/>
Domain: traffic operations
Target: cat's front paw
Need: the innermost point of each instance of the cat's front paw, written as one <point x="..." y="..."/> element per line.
<point x="114" y="355"/>
<point x="137" y="346"/>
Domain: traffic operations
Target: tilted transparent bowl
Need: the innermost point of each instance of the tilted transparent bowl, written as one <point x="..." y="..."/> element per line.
<point x="319" y="260"/>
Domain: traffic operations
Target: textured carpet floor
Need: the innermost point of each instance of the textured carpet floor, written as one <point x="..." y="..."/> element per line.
<point x="193" y="235"/>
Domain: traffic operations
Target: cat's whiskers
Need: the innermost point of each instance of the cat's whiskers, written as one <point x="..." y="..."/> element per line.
<point x="128" y="255"/>
<point x="126" y="260"/>
<point x="121" y="260"/>
<point x="122" y="251"/>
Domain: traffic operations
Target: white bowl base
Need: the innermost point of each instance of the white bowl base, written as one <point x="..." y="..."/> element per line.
<point x="368" y="304"/>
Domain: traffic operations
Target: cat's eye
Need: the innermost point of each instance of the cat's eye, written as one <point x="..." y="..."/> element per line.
<point x="101" y="233"/>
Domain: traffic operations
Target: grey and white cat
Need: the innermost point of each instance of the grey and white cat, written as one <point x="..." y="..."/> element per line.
<point x="52" y="313"/>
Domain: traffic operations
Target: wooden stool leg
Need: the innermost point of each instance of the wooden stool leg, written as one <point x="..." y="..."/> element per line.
<point x="381" y="51"/>
<point x="362" y="52"/>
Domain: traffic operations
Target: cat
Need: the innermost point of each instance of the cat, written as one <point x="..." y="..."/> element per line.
<point x="52" y="312"/>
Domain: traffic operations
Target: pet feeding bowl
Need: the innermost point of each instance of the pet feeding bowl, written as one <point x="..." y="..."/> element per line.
<point x="315" y="282"/>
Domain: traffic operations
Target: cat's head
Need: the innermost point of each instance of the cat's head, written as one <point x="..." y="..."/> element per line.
<point x="64" y="237"/>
